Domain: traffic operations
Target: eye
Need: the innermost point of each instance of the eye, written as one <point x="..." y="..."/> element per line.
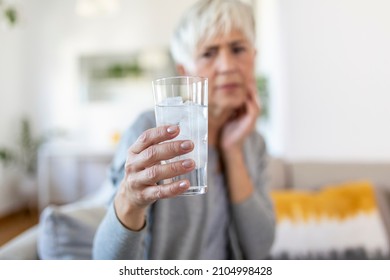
<point x="208" y="54"/>
<point x="238" y="49"/>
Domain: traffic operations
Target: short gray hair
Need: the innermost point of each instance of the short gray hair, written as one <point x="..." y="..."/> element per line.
<point x="206" y="19"/>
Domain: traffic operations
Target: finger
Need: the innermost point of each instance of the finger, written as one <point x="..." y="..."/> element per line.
<point x="254" y="94"/>
<point x="156" y="153"/>
<point x="154" y="136"/>
<point x="253" y="106"/>
<point x="157" y="192"/>
<point x="253" y="102"/>
<point x="155" y="173"/>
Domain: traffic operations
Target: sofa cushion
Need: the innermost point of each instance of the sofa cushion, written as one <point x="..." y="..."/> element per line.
<point x="68" y="232"/>
<point x="276" y="174"/>
<point x="313" y="175"/>
<point x="340" y="221"/>
<point x="22" y="247"/>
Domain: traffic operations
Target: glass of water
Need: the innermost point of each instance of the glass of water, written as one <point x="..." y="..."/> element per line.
<point x="183" y="101"/>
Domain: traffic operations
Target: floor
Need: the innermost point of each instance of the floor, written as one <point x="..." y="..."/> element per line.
<point x="16" y="223"/>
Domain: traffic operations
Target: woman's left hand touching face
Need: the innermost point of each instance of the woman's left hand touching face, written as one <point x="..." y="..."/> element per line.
<point x="242" y="122"/>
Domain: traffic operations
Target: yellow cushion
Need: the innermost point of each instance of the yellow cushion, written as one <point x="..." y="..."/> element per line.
<point x="333" y="201"/>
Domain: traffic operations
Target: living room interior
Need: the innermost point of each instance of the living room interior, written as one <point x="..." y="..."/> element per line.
<point x="75" y="74"/>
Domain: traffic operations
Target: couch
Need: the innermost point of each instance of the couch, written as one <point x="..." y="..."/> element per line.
<point x="67" y="221"/>
<point x="86" y="214"/>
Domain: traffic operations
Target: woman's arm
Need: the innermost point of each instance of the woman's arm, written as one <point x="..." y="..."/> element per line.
<point x="243" y="154"/>
<point x="125" y="220"/>
<point x="113" y="241"/>
<point x="252" y="210"/>
<point x="111" y="235"/>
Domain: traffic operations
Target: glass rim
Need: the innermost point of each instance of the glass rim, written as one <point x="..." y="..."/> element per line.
<point x="178" y="80"/>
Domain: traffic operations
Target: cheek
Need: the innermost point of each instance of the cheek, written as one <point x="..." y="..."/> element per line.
<point x="248" y="70"/>
<point x="203" y="71"/>
<point x="204" y="68"/>
<point x="206" y="71"/>
<point x="211" y="93"/>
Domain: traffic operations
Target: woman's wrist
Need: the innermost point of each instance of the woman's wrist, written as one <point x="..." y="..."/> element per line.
<point x="232" y="152"/>
<point x="132" y="217"/>
<point x="239" y="182"/>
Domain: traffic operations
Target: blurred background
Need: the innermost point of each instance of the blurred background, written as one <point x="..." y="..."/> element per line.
<point x="74" y="74"/>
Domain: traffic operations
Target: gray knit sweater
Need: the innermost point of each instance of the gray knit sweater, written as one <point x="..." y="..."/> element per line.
<point x="179" y="228"/>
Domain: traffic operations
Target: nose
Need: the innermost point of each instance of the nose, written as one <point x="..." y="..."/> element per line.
<point x="226" y="62"/>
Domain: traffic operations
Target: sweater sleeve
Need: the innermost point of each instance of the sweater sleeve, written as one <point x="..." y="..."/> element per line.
<point x="112" y="240"/>
<point x="253" y="219"/>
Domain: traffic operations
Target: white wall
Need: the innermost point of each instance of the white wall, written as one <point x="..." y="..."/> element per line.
<point x="334" y="65"/>
<point x="39" y="68"/>
<point x="271" y="62"/>
<point x="327" y="62"/>
<point x="10" y="81"/>
<point x="11" y="105"/>
<point x="57" y="37"/>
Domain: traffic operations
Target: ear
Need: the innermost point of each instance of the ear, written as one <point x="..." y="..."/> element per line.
<point x="181" y="70"/>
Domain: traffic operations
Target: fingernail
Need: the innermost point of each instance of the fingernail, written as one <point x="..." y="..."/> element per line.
<point x="172" y="129"/>
<point x="187" y="163"/>
<point x="183" y="184"/>
<point x="187" y="145"/>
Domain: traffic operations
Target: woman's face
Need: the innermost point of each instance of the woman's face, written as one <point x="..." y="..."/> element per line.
<point x="228" y="63"/>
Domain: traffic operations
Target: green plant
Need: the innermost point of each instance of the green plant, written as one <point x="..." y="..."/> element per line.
<point x="26" y="151"/>
<point x="5" y="156"/>
<point x="263" y="91"/>
<point x="124" y="70"/>
<point x="9" y="13"/>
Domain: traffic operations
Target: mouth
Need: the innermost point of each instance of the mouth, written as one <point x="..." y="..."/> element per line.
<point x="228" y="87"/>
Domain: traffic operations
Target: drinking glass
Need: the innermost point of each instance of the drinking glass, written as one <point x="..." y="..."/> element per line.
<point x="183" y="101"/>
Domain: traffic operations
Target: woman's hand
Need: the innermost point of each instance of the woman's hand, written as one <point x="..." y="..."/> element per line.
<point x="242" y="122"/>
<point x="143" y="170"/>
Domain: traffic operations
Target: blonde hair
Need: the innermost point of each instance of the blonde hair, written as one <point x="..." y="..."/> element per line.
<point x="206" y="19"/>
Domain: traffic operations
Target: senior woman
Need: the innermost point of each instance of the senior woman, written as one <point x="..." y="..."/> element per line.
<point x="234" y="219"/>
